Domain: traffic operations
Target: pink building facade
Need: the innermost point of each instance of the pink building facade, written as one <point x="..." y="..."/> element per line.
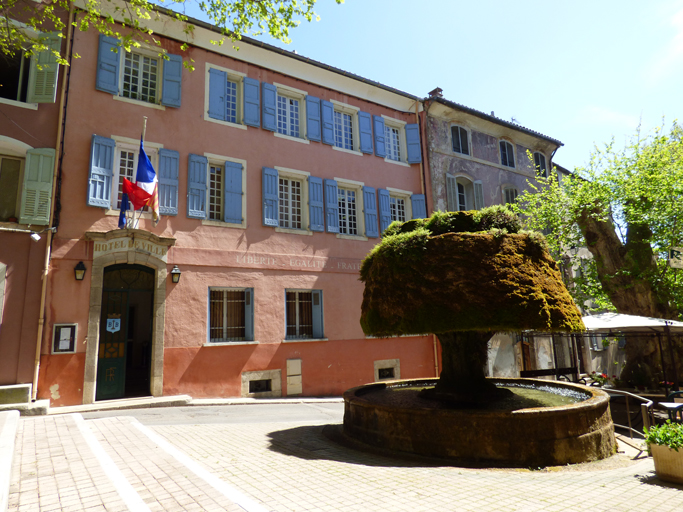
<point x="276" y="174"/>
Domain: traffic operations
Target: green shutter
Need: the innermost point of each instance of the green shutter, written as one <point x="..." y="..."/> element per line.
<point x="36" y="191"/>
<point x="42" y="83"/>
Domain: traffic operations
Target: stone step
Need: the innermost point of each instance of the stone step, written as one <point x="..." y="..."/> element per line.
<point x="8" y="433"/>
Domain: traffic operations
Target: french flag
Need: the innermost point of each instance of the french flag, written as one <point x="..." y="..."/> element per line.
<point x="144" y="192"/>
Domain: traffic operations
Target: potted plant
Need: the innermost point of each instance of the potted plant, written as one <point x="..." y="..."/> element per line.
<point x="663" y="442"/>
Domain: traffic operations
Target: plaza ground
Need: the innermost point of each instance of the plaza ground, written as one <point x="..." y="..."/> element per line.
<point x="277" y="457"/>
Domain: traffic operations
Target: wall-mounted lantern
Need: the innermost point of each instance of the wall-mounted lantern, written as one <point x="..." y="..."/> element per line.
<point x="175" y="274"/>
<point x="79" y="271"/>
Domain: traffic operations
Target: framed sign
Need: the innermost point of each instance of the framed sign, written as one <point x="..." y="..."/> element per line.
<point x="64" y="338"/>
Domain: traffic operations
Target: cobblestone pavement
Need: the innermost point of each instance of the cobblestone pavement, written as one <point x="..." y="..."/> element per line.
<point x="64" y="463"/>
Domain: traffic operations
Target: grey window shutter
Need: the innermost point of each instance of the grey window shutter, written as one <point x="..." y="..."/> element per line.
<point x="172" y="85"/>
<point x="478" y="195"/>
<point x="108" y="62"/>
<point x="169" y="163"/>
<point x="313" y="118"/>
<point x="370" y="207"/>
<point x="36" y="193"/>
<point x="452" y="194"/>
<point x="318" y="328"/>
<point x="42" y="83"/>
<point x="269" y="101"/>
<point x="365" y="130"/>
<point x="252" y="109"/>
<point x="270" y="197"/>
<point x="218" y="84"/>
<point x="249" y="314"/>
<point x="101" y="171"/>
<point x="233" y="193"/>
<point x="328" y="122"/>
<point x="196" y="186"/>
<point x="331" y="206"/>
<point x="316" y="205"/>
<point x="419" y="206"/>
<point x="413" y="143"/>
<point x="384" y="209"/>
<point x="378" y="124"/>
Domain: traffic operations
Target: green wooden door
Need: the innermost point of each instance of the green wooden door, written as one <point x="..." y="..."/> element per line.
<point x="111" y="363"/>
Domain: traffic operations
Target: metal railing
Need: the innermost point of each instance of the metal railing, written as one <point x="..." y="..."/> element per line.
<point x="646" y="406"/>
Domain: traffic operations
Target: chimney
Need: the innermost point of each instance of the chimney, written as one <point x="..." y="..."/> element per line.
<point x="436" y="93"/>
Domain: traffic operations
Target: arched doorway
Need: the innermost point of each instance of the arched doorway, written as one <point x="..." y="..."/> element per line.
<point x="126" y="332"/>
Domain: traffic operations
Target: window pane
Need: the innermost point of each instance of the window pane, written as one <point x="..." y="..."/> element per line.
<point x="14" y="77"/>
<point x="462" y="198"/>
<point x="290" y="203"/>
<point x="348" y="221"/>
<point x="10" y="169"/>
<point x="215" y="192"/>
<point x="343" y="130"/>
<point x="463" y="142"/>
<point x="227" y="315"/>
<point x="290" y="298"/>
<point x="126" y="170"/>
<point x="231" y="102"/>
<point x="398" y="209"/>
<point x="216" y="315"/>
<point x="140" y="77"/>
<point x="392" y="143"/>
<point x="305" y="314"/>
<point x="288" y="116"/>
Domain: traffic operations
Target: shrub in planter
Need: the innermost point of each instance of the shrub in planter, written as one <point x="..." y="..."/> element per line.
<point x="664" y="443"/>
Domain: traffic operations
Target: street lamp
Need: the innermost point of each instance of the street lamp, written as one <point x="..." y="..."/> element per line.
<point x="79" y="271"/>
<point x="175" y="274"/>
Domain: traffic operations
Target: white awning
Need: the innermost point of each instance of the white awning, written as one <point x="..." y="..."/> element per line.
<point x="618" y="322"/>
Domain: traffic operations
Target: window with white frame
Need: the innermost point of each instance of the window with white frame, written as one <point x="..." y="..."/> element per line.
<point x="392" y="139"/>
<point x="348" y="212"/>
<point x="288" y="115"/>
<point x="303" y="314"/>
<point x="14" y="70"/>
<point x="343" y="130"/>
<point x="290" y="202"/>
<point x="539" y="163"/>
<point x="224" y="94"/>
<point x="460" y="140"/>
<point x="230" y="311"/>
<point x="126" y="166"/>
<point x="140" y="77"/>
<point x="397" y="208"/>
<point x="231" y="101"/>
<point x="463" y="194"/>
<point x="507" y="154"/>
<point x="216" y="184"/>
<point x="510" y="194"/>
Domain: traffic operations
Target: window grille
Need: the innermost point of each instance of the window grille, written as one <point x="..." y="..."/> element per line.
<point x="227" y="315"/>
<point x="299" y="315"/>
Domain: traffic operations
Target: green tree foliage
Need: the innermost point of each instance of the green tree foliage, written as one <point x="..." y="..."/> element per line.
<point x="626" y="208"/>
<point x="23" y="20"/>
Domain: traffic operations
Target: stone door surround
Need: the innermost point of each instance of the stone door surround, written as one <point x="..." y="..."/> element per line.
<point x="132" y="246"/>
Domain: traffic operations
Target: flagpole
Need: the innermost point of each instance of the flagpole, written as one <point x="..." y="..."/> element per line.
<point x="144" y="130"/>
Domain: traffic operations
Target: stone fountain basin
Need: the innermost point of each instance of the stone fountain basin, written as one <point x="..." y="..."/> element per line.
<point x="535" y="437"/>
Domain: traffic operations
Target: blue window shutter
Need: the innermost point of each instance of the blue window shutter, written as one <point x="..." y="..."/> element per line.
<point x="370" y="206"/>
<point x="317" y="299"/>
<point x="419" y="206"/>
<point x="316" y="204"/>
<point x="378" y="123"/>
<point x="36" y="190"/>
<point x="269" y="99"/>
<point x="270" y="197"/>
<point x="171" y="88"/>
<point x="233" y="193"/>
<point x="196" y="186"/>
<point x="252" y="109"/>
<point x="413" y="143"/>
<point x="249" y="314"/>
<point x="328" y="121"/>
<point x="332" y="206"/>
<point x="108" y="62"/>
<point x="313" y="118"/>
<point x="384" y="209"/>
<point x="101" y="171"/>
<point x="218" y="83"/>
<point x="365" y="130"/>
<point x="169" y="162"/>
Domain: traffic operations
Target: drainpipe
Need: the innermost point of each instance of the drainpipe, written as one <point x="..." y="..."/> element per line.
<point x="422" y="172"/>
<point x="48" y="246"/>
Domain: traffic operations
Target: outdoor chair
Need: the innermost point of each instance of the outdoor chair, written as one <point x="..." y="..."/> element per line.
<point x="674" y="408"/>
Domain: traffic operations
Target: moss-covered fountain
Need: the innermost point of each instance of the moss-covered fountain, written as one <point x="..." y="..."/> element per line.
<point x="464" y="276"/>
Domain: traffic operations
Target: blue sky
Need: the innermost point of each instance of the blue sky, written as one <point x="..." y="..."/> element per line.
<point x="581" y="71"/>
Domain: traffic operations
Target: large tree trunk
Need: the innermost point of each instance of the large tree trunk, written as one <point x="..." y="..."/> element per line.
<point x="625" y="272"/>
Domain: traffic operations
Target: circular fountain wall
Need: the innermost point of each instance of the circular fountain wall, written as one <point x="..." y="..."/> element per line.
<point x="539" y="436"/>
